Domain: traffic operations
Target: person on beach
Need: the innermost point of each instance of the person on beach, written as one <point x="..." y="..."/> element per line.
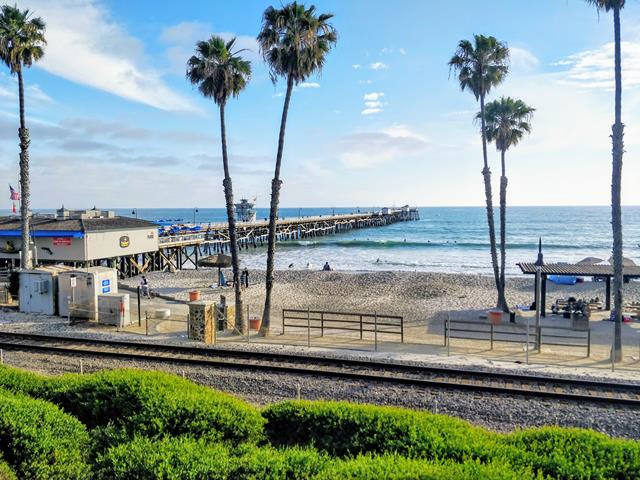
<point x="327" y="267"/>
<point x="244" y="278"/>
<point x="144" y="286"/>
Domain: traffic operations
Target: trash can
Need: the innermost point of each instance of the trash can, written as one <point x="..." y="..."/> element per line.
<point x="495" y="316"/>
<point x="254" y="323"/>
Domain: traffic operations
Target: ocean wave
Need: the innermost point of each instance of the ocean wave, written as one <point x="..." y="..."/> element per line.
<point x="391" y="244"/>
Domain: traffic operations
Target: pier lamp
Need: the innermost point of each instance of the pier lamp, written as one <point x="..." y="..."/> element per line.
<point x="195" y="210"/>
<point x="134" y="212"/>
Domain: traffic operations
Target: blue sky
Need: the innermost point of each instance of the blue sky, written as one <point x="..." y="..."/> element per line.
<point x="114" y="122"/>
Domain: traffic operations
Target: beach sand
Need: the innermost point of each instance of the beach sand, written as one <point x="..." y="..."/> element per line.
<point x="419" y="297"/>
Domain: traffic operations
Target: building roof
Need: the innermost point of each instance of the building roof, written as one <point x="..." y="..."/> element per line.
<point x="73" y="227"/>
<point x="578" y="269"/>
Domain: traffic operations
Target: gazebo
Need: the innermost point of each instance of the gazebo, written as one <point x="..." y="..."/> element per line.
<point x="578" y="270"/>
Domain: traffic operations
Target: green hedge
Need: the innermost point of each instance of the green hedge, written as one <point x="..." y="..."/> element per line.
<point x="167" y="459"/>
<point x="5" y="472"/>
<point x="40" y="441"/>
<point x="396" y="467"/>
<point x="571" y="453"/>
<point x="345" y="429"/>
<point x="146" y="403"/>
<point x="181" y="458"/>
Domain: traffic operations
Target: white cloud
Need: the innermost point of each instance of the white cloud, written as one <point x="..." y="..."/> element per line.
<point x="373" y="96"/>
<point x="372" y="103"/>
<point x="365" y="82"/>
<point x="356" y="66"/>
<point x="386" y="50"/>
<point x="522" y="59"/>
<point x="378" y="66"/>
<point x="369" y="149"/>
<point x="402" y="51"/>
<point x="86" y="46"/>
<point x="593" y="69"/>
<point x="33" y="92"/>
<point x="309" y="85"/>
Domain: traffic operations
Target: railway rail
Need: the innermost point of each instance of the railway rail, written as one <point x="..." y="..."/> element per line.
<point x="492" y="382"/>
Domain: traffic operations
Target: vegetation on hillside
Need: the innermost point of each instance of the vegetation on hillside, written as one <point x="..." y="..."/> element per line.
<point x="147" y="425"/>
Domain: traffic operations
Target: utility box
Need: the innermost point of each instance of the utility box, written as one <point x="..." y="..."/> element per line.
<point x="113" y="309"/>
<point x="79" y="289"/>
<point x="38" y="291"/>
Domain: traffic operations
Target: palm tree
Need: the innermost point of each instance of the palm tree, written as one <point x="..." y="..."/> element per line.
<point x="294" y="42"/>
<point x="22" y="43"/>
<point x="481" y="66"/>
<point x="220" y="73"/>
<point x="507" y="120"/>
<point x="617" y="134"/>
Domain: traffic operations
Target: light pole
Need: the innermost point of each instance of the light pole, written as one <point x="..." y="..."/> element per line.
<point x="195" y="210"/>
<point x="134" y="212"/>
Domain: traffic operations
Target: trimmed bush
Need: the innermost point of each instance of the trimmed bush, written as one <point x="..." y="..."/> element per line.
<point x="146" y="403"/>
<point x="40" y="441"/>
<point x="269" y="463"/>
<point x="345" y="429"/>
<point x="571" y="453"/>
<point x="395" y="467"/>
<point x="167" y="459"/>
<point x="6" y="473"/>
<point x="185" y="458"/>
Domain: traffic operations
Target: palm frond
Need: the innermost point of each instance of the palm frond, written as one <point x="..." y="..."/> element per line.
<point x="294" y="41"/>
<point x="507" y="121"/>
<point x="22" y="39"/>
<point x="480" y="65"/>
<point x="217" y="70"/>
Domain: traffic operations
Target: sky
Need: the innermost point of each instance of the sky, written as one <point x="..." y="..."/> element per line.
<point x="114" y="122"/>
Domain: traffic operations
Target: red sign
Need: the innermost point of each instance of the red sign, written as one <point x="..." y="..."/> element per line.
<point x="62" y="241"/>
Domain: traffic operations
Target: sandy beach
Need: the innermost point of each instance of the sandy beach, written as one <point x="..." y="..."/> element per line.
<point x="419" y="297"/>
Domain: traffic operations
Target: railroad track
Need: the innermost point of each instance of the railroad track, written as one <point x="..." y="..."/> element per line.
<point x="503" y="383"/>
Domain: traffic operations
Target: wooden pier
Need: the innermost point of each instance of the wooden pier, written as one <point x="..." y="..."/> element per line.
<point x="176" y="251"/>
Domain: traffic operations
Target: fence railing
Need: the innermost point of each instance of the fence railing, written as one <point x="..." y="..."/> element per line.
<point x="323" y="320"/>
<point x="517" y="333"/>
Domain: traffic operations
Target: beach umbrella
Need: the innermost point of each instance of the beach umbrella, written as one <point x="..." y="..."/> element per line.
<point x="218" y="260"/>
<point x="626" y="262"/>
<point x="590" y="261"/>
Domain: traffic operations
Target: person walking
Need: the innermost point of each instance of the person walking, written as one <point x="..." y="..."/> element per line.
<point x="144" y="286"/>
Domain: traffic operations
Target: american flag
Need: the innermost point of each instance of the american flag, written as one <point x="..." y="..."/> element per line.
<point x="13" y="194"/>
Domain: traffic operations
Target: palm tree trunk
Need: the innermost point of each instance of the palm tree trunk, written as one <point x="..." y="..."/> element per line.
<point x="486" y="173"/>
<point x="616" y="177"/>
<point x="233" y="243"/>
<point x="276" y="183"/>
<point x="23" y="134"/>
<point x="503" y="224"/>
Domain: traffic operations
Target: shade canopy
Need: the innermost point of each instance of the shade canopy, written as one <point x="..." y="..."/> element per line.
<point x="590" y="261"/>
<point x="217" y="261"/>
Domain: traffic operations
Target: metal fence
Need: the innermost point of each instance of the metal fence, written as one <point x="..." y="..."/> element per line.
<point x="323" y="320"/>
<point x="517" y="333"/>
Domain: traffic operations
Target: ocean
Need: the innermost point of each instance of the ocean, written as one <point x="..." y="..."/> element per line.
<point x="446" y="239"/>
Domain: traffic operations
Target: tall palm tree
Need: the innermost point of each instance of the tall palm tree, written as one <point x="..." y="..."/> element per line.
<point x="507" y="120"/>
<point x="480" y="66"/>
<point x="294" y="41"/>
<point x="220" y="73"/>
<point x="22" y="43"/>
<point x="617" y="134"/>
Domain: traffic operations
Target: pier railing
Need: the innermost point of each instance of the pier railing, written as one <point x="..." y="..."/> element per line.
<point x="328" y="321"/>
